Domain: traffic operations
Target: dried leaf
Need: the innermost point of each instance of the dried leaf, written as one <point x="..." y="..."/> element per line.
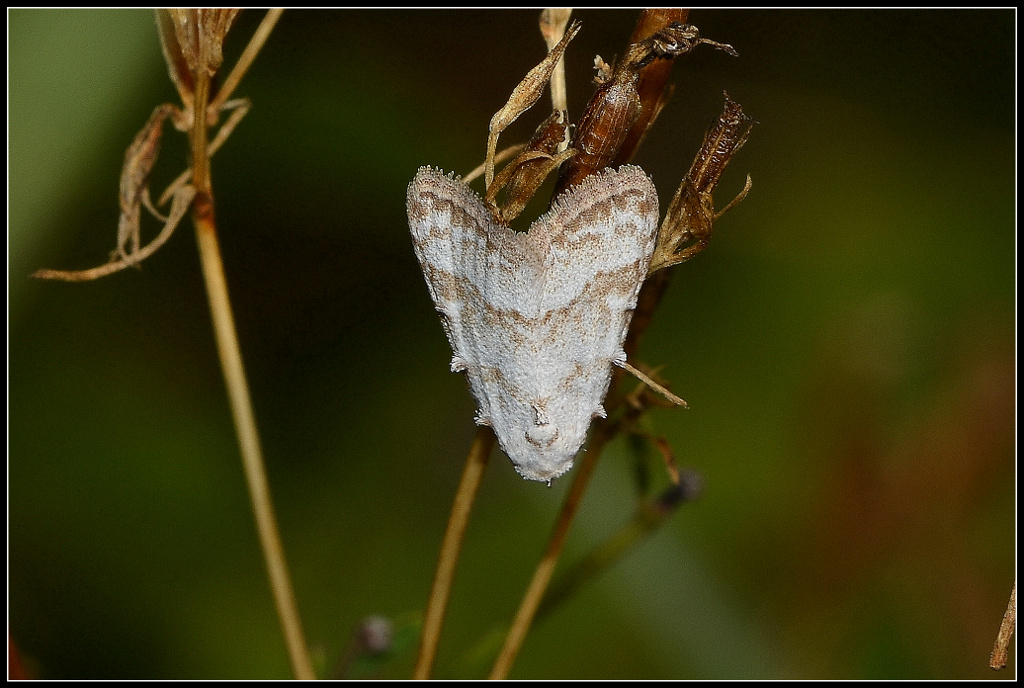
<point x="138" y="165"/>
<point x="523" y="97"/>
<point x="179" y="206"/>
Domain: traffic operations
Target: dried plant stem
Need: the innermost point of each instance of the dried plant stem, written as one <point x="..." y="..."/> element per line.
<point x="181" y="199"/>
<point x="546" y="567"/>
<point x="451" y="546"/>
<point x="245" y="61"/>
<point x="499" y="157"/>
<point x="248" y="438"/>
<point x="650" y="516"/>
<point x="1006" y="629"/>
<point x="553" y="22"/>
<point x="238" y="394"/>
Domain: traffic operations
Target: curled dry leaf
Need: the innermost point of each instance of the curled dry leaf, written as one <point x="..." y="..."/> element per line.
<point x="138" y="165"/>
<point x="523" y="97"/>
<point x="180" y="202"/>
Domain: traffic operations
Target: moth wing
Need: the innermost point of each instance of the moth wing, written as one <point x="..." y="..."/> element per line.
<point x="595" y="245"/>
<point x="472" y="269"/>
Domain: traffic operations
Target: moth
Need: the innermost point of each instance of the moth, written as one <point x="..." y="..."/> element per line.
<point x="536" y="320"/>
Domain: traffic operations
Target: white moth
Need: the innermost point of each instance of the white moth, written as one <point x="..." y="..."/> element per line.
<point x="536" y="319"/>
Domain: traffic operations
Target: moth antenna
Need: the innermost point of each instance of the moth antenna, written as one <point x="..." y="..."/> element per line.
<point x="652" y="384"/>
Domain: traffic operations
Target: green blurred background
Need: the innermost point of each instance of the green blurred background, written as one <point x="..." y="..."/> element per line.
<point x="847" y="346"/>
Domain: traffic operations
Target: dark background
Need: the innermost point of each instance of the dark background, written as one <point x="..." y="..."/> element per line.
<point x="846" y="344"/>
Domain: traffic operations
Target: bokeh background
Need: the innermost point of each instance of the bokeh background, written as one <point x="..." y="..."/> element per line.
<point x="847" y="346"/>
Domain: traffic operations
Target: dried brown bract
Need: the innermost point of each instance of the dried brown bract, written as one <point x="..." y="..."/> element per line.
<point x="192" y="40"/>
<point x="523" y="97"/>
<point x="686" y="229"/>
<point x="138" y="165"/>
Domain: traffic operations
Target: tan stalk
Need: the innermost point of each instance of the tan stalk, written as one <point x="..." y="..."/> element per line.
<point x="451" y="546"/>
<point x="553" y="22"/>
<point x="245" y="61"/>
<point x="1007" y="627"/>
<point x="238" y="389"/>
<point x="546" y="567"/>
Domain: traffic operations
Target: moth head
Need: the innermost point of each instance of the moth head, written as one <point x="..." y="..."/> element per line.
<point x="542" y="433"/>
<point x="542" y="447"/>
<point x="541" y="436"/>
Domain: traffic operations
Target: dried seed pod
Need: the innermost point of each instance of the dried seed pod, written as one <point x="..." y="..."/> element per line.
<point x="616" y="106"/>
<point x="687" y="226"/>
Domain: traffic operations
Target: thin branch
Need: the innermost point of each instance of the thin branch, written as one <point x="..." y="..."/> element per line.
<point x="179" y="206"/>
<point x="451" y="546"/>
<point x="249" y="441"/>
<point x="660" y="389"/>
<point x="499" y="158"/>
<point x="650" y="515"/>
<point x="1006" y="629"/>
<point x="546" y="567"/>
<point x="553" y="21"/>
<point x="238" y="389"/>
<point x="240" y="108"/>
<point x="648" y="518"/>
<point x="248" y="55"/>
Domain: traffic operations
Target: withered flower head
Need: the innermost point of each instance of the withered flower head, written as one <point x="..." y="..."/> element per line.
<point x="192" y="39"/>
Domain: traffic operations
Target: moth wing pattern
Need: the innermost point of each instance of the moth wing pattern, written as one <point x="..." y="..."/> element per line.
<point x="471" y="265"/>
<point x="537" y="319"/>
